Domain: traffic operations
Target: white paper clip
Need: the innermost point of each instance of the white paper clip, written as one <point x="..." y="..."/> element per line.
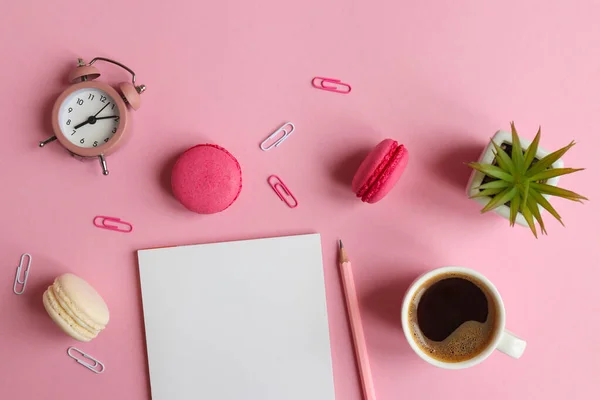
<point x="18" y="280"/>
<point x="287" y="130"/>
<point x="92" y="367"/>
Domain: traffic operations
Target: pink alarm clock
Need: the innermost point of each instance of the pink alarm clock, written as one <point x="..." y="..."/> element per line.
<point x="90" y="118"/>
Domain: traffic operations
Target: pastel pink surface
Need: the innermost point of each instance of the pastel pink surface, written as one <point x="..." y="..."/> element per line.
<point x="380" y="171"/>
<point x="447" y="74"/>
<point x="206" y="179"/>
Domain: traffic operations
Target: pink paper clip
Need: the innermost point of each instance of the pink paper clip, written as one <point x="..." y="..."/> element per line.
<point x="284" y="194"/>
<point x="338" y="86"/>
<point x="101" y="221"/>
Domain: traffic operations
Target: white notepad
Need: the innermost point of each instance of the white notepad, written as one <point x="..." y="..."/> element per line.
<point x="240" y="320"/>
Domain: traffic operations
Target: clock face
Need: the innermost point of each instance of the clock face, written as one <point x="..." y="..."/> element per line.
<point x="89" y="117"/>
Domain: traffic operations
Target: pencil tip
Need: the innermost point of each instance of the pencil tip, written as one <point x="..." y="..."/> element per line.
<point x="341" y="244"/>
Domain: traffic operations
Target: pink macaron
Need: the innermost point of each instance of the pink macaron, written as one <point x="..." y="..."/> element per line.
<point x="206" y="179"/>
<point x="379" y="171"/>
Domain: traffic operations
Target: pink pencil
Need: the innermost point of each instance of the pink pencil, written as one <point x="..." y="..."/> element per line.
<point x="360" y="345"/>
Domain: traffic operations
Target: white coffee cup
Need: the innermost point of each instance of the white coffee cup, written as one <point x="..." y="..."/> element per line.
<point x="503" y="340"/>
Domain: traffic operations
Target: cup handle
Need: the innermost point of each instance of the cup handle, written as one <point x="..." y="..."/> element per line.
<point x="511" y="344"/>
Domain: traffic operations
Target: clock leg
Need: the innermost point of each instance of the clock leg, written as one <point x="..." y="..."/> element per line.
<point x="103" y="164"/>
<point x="49" y="140"/>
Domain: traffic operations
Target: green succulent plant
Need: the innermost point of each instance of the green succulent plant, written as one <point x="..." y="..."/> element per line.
<point x="519" y="180"/>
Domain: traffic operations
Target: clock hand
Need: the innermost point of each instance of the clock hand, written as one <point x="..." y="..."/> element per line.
<point x="87" y="121"/>
<point x="110" y="116"/>
<point x="92" y="119"/>
<point x="102" y="109"/>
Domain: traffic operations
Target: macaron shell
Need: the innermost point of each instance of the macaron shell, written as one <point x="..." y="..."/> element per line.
<point x="66" y="306"/>
<point x="206" y="179"/>
<point x="389" y="177"/>
<point x="379" y="171"/>
<point x="58" y="317"/>
<point x="83" y="300"/>
<point x="371" y="163"/>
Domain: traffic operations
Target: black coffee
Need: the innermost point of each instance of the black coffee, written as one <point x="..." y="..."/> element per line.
<point x="453" y="317"/>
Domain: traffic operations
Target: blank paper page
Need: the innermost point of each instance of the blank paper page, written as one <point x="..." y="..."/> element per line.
<point x="240" y="320"/>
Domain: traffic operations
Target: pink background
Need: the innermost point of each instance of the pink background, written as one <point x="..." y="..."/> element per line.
<point x="439" y="76"/>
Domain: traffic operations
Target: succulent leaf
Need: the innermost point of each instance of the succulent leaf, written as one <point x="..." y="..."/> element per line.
<point x="535" y="210"/>
<point x="547" y="161"/>
<point x="503" y="197"/>
<point x="541" y="200"/>
<point x="495" y="185"/>
<point x="524" y="193"/>
<point x="517" y="150"/>
<point x="514" y="208"/>
<point x="492" y="171"/>
<point x="532" y="149"/>
<point x="518" y="179"/>
<point x="553" y="172"/>
<point x="556" y="191"/>
<point x="502" y="158"/>
<point x="527" y="215"/>
<point x="487" y="192"/>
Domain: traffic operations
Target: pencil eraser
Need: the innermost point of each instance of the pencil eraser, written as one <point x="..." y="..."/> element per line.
<point x="206" y="179"/>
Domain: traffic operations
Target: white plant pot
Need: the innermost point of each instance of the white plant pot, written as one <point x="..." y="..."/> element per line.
<point x="487" y="157"/>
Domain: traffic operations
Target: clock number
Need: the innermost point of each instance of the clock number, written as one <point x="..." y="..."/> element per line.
<point x="70" y="109"/>
<point x="82" y="141"/>
<point x="79" y="101"/>
<point x="103" y="99"/>
<point x="68" y="122"/>
<point x="96" y="144"/>
<point x="74" y="132"/>
<point x="91" y="97"/>
<point x="117" y="118"/>
<point x="106" y="140"/>
<point x="113" y="106"/>
<point x="114" y="130"/>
